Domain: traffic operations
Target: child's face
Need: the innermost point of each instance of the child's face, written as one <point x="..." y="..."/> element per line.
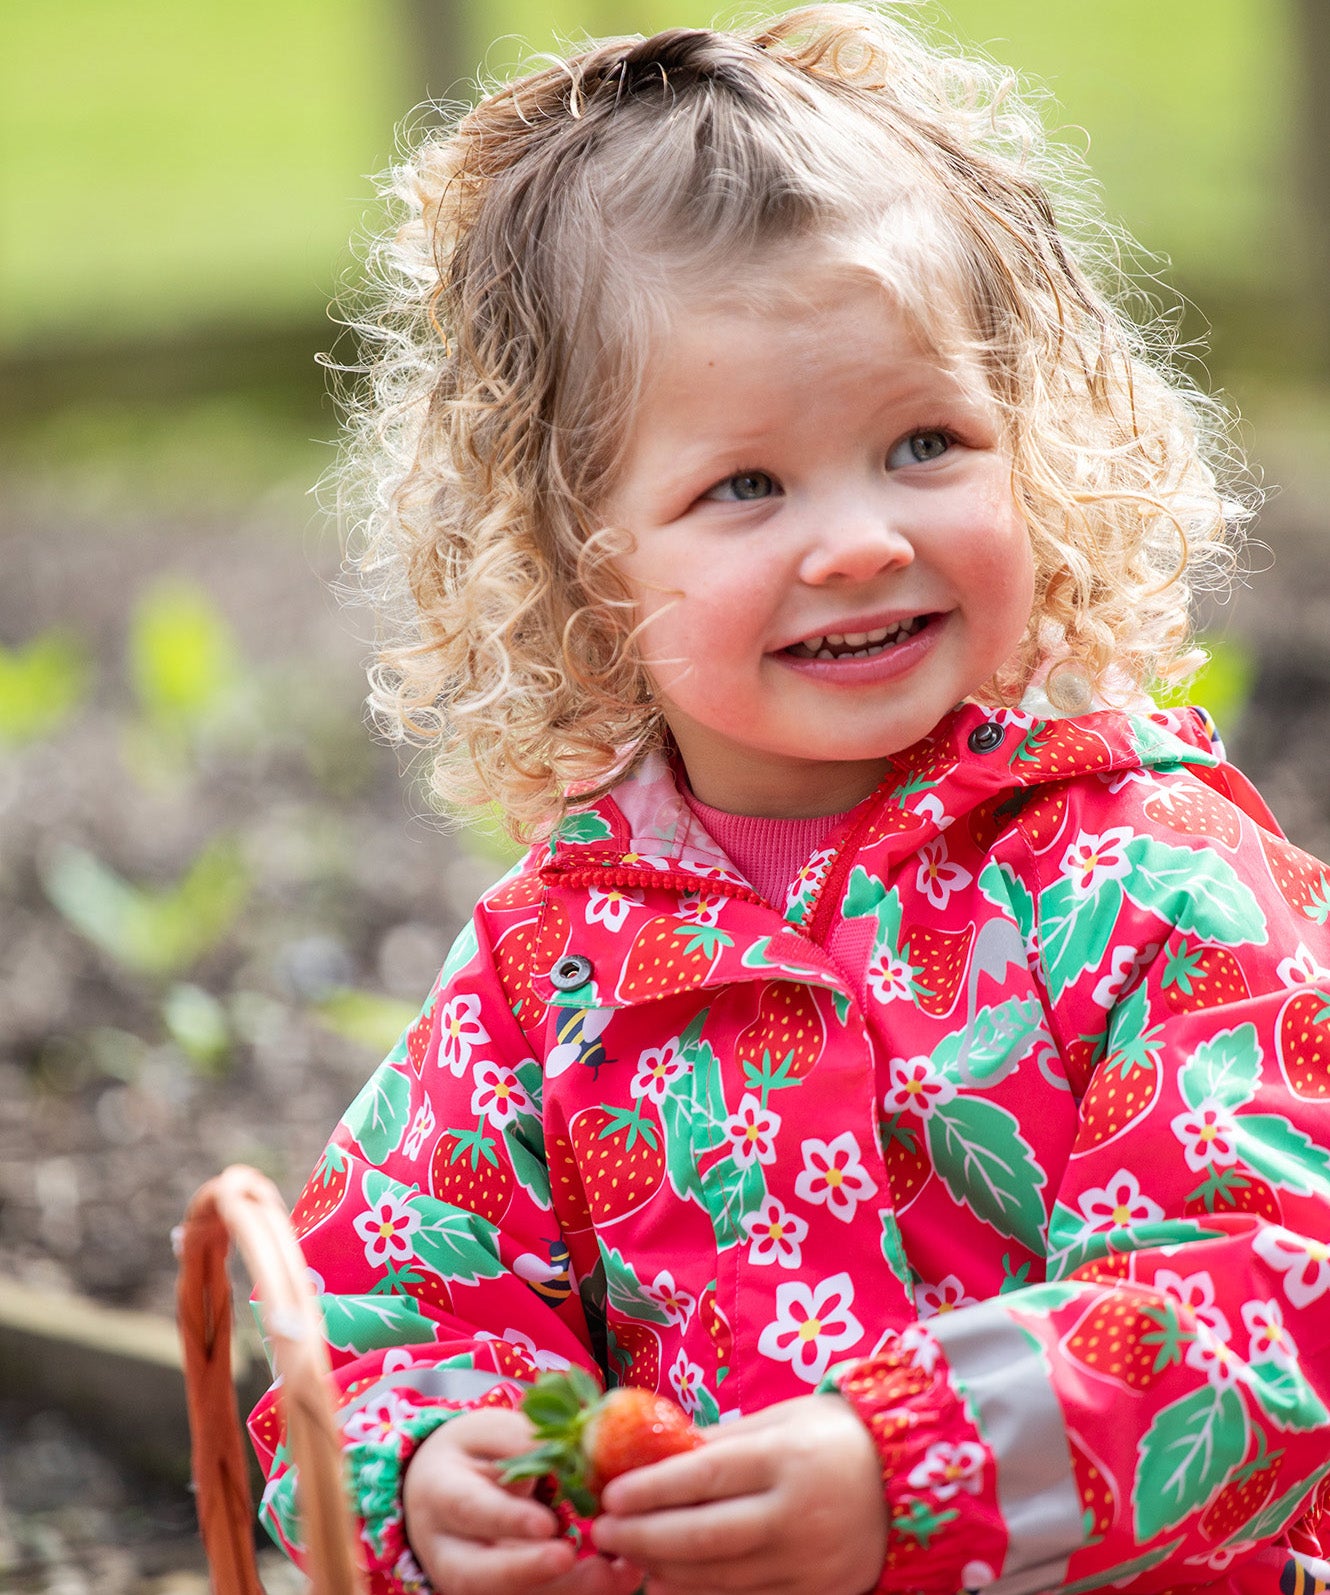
<point x="805" y="486"/>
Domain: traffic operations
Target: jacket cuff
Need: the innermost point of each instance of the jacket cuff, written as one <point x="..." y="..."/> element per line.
<point x="939" y="1478"/>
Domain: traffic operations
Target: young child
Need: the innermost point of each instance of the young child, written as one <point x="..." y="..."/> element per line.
<point x="904" y="1044"/>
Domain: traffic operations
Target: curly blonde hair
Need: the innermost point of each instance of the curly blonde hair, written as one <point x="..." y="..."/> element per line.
<point x="536" y="250"/>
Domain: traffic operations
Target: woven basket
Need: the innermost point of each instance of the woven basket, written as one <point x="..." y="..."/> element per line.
<point x="240" y="1205"/>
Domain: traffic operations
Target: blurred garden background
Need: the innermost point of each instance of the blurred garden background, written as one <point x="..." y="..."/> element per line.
<point x="219" y="897"/>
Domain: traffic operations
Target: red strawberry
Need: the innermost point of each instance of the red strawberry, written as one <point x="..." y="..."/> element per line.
<point x="1303" y="881"/>
<point x="1196" y="811"/>
<point x="718" y="1330"/>
<point x="324" y="1191"/>
<point x="1228" y="1191"/>
<point x="587" y="1439"/>
<point x="570" y="1203"/>
<point x="467" y="1172"/>
<point x="1095" y="1486"/>
<point x="670" y="954"/>
<point x="939" y="959"/>
<point x="265" y="1425"/>
<point x="1302" y="1043"/>
<point x="418" y="1039"/>
<point x="526" y="951"/>
<point x="620" y="1156"/>
<point x="1124" y="1088"/>
<point x="1246" y="1494"/>
<point x="788" y="1026"/>
<point x="1060" y="748"/>
<point x="1129" y="1344"/>
<point x="906" y="1157"/>
<point x="635" y="1353"/>
<point x="1198" y="975"/>
<point x="1043" y="819"/>
<point x="1108" y="1269"/>
<point x="427" y="1288"/>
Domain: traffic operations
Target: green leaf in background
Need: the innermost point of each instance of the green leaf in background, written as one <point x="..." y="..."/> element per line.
<point x="182" y="656"/>
<point x="365" y="1017"/>
<point x="198" y="1025"/>
<point x="41" y="685"/>
<point x="158" y="931"/>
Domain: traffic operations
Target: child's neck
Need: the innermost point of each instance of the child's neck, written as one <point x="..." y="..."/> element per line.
<point x="769" y="852"/>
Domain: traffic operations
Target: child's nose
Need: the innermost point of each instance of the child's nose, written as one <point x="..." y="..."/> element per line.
<point x="855" y="546"/>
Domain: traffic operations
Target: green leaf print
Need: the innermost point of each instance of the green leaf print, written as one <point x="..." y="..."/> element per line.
<point x="1226" y="1069"/>
<point x="458" y="1245"/>
<point x="624" y="1292"/>
<point x="1001" y="886"/>
<point x="369" y="1323"/>
<point x="1194" y="888"/>
<point x="1075" y="929"/>
<point x="1072" y="1242"/>
<point x="731" y="1189"/>
<point x="1186" y="1454"/>
<point x="463" y="950"/>
<point x="893" y="1252"/>
<point x="529" y="1168"/>
<point x="867" y="898"/>
<point x="693" y="1116"/>
<point x="986" y="1163"/>
<point x="1286" y="1397"/>
<point x="707" y="1410"/>
<point x="586" y="827"/>
<point x="1269" y="1145"/>
<point x="378" y="1117"/>
<point x="279" y="1505"/>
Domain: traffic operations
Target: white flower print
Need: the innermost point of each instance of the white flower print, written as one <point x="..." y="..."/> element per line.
<point x="1301" y="969"/>
<point x="1209" y="1135"/>
<point x="1270" y="1340"/>
<point x="929" y="807"/>
<point x="777" y="1235"/>
<point x="460" y="1031"/>
<point x="686" y="1382"/>
<point x="938" y="877"/>
<point x="890" y="977"/>
<point x="386" y="1230"/>
<point x="673" y="1300"/>
<point x="545" y="1360"/>
<point x="916" y="1086"/>
<point x="410" y="1575"/>
<point x="944" y="1297"/>
<point x="1119" y="1204"/>
<point x="657" y="1069"/>
<point x="1091" y="860"/>
<point x="421" y="1126"/>
<point x="1197" y="1292"/>
<point x="1216" y="1359"/>
<point x="499" y="1096"/>
<point x="834" y="1176"/>
<point x="1123" y="963"/>
<point x="378" y="1421"/>
<point x="1305" y="1264"/>
<point x="812" y="1323"/>
<point x="806" y="881"/>
<point x="921" y="1347"/>
<point x="701" y="908"/>
<point x="752" y="1130"/>
<point x="947" y="1468"/>
<point x="610" y="908"/>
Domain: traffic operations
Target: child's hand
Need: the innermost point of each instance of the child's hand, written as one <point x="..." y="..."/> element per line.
<point x="789" y="1499"/>
<point x="472" y="1536"/>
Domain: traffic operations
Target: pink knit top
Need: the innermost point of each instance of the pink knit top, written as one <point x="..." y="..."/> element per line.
<point x="768" y="852"/>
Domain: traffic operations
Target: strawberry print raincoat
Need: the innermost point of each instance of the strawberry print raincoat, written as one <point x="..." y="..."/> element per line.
<point x="1012" y="1125"/>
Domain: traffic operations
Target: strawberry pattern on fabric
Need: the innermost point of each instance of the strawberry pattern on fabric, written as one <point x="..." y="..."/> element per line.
<point x="1029" y="1081"/>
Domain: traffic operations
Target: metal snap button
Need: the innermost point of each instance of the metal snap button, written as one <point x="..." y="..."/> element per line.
<point x="984" y="738"/>
<point x="570" y="972"/>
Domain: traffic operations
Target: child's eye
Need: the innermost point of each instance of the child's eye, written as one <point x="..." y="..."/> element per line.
<point x="744" y="488"/>
<point x="919" y="447"/>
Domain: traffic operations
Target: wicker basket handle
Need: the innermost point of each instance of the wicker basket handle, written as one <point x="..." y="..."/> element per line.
<point x="242" y="1205"/>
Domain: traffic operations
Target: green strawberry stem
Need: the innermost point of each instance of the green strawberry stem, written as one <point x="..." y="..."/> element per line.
<point x="559" y="1405"/>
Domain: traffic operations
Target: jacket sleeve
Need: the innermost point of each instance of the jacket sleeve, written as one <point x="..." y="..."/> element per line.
<point x="1156" y="1413"/>
<point x="429" y="1216"/>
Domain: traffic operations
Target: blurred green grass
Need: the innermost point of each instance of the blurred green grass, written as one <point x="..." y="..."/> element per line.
<point x="169" y="165"/>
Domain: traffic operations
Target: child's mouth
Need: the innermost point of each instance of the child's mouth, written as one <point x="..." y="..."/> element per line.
<point x="857" y="644"/>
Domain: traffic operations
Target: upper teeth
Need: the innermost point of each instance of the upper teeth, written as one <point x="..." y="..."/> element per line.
<point x="822" y="646"/>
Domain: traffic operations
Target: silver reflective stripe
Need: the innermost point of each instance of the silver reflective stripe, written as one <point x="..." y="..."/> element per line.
<point x="1002" y="1375"/>
<point x="435" y="1384"/>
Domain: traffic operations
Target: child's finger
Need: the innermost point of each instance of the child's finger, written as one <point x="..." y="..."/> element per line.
<point x="468" y="1567"/>
<point x="475" y="1507"/>
<point x="718" y="1531"/>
